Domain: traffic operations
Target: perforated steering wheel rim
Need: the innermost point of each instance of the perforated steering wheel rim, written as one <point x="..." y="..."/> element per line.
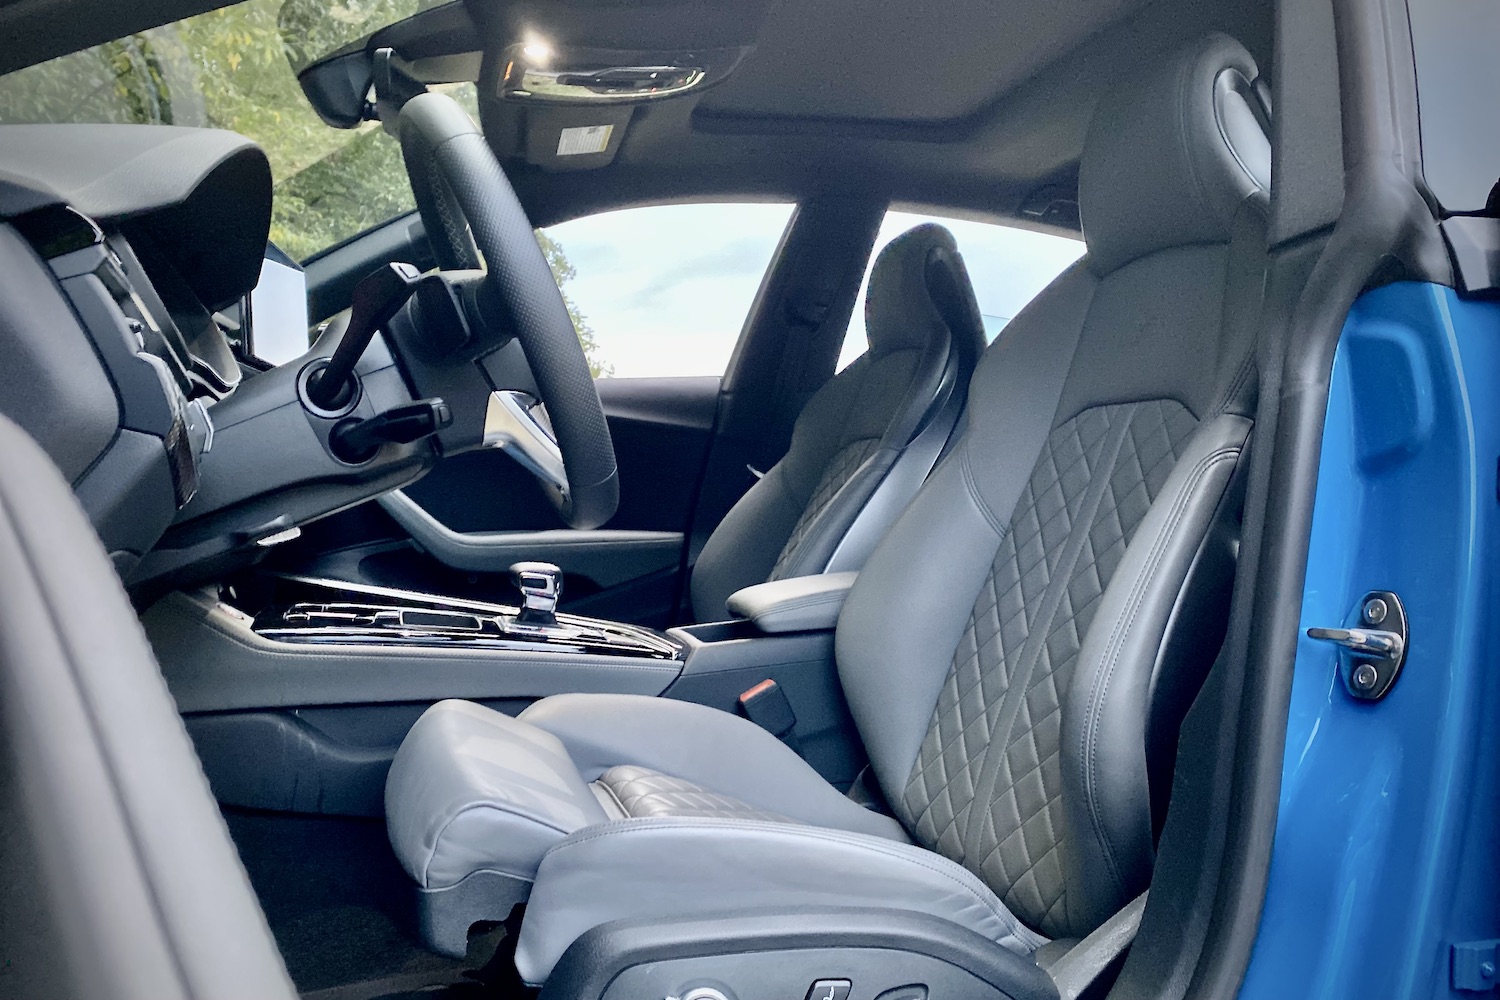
<point x="471" y="213"/>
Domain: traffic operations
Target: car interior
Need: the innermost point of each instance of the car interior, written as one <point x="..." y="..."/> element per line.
<point x="429" y="664"/>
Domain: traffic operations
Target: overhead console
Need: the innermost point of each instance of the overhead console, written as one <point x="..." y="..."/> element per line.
<point x="117" y="246"/>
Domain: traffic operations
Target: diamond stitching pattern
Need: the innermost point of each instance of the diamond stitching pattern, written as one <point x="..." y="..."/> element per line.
<point x="1015" y="841"/>
<point x="841" y="469"/>
<point x="643" y="792"/>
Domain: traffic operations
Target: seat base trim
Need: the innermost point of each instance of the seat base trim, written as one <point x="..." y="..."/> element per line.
<point x="445" y="915"/>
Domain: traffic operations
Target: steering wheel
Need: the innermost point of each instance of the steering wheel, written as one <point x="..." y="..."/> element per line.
<point x="471" y="214"/>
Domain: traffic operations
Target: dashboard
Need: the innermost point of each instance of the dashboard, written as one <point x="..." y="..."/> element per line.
<point x="126" y="255"/>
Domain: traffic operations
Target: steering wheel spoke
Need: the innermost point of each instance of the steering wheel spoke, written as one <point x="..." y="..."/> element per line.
<point x="516" y="423"/>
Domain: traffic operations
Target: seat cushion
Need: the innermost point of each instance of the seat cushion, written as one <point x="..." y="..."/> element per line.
<point x="474" y="790"/>
<point x="700" y="748"/>
<point x="630" y="792"/>
<point x="702" y="867"/>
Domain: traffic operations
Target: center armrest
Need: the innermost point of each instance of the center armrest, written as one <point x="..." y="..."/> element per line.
<point x="797" y="604"/>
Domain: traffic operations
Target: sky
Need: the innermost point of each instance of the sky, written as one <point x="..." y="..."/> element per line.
<point x="667" y="288"/>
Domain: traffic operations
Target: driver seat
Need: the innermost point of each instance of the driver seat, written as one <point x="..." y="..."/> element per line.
<point x="1017" y="654"/>
<point x="867" y="439"/>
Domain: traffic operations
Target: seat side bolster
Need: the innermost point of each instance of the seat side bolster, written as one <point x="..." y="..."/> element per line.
<point x="705" y="746"/>
<point x="680" y="868"/>
<point x="1104" y="768"/>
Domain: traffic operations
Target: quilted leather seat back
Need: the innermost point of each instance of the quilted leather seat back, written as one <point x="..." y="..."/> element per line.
<point x="1002" y="649"/>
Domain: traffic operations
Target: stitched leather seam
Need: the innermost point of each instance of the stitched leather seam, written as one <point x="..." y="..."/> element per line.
<point x="1121" y="629"/>
<point x="810" y="601"/>
<point x="1185" y="97"/>
<point x="1241" y="376"/>
<point x="481" y="807"/>
<point x="610" y="791"/>
<point x="1030" y="654"/>
<point x="966" y="467"/>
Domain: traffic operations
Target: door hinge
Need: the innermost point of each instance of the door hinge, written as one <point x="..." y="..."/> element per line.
<point x="1475" y="965"/>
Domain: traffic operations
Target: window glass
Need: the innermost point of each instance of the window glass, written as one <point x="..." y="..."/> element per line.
<point x="1458" y="77"/>
<point x="230" y="69"/>
<point x="1007" y="266"/>
<point x="663" y="290"/>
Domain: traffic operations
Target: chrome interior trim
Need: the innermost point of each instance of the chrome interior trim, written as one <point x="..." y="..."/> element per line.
<point x="529" y="75"/>
<point x="513" y="424"/>
<point x="341" y="613"/>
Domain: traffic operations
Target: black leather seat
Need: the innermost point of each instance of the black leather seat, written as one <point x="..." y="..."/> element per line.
<point x="1017" y="653"/>
<point x="838" y="489"/>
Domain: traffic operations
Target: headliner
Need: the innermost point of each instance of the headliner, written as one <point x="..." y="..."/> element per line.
<point x="969" y="105"/>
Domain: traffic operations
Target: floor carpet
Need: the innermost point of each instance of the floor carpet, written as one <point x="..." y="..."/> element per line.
<point x="341" y="910"/>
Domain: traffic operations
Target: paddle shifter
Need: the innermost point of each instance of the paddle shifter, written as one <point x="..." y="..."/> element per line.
<point x="540" y="584"/>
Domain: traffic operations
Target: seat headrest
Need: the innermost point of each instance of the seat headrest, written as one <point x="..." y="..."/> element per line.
<point x="919" y="289"/>
<point x="1172" y="153"/>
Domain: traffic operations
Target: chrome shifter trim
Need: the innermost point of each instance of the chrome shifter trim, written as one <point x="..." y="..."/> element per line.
<point x="540" y="584"/>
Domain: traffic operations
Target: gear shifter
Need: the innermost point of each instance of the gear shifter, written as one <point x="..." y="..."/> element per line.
<point x="540" y="584"/>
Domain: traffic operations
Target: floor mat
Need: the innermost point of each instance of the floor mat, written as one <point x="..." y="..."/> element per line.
<point x="473" y="979"/>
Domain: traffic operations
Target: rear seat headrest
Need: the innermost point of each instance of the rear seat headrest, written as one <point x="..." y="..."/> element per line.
<point x="1173" y="152"/>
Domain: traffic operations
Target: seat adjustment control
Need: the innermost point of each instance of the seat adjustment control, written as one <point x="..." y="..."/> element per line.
<point x="913" y="991"/>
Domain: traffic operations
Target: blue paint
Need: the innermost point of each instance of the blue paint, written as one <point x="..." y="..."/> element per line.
<point x="1386" y="848"/>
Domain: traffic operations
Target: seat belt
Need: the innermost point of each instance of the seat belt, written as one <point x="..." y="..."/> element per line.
<point x="1078" y="967"/>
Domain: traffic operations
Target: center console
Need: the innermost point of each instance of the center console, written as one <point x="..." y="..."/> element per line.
<point x="330" y="612"/>
<point x="297" y="690"/>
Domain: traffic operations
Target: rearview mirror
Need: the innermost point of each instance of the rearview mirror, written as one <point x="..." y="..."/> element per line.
<point x="331" y="47"/>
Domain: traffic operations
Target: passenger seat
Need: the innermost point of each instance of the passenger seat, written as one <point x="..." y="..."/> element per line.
<point x="1017" y="654"/>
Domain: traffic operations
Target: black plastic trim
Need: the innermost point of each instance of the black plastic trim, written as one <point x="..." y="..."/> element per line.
<point x="1203" y="915"/>
<point x="594" y="961"/>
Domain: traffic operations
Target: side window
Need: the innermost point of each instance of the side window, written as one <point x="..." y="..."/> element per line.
<point x="1008" y="267"/>
<point x="663" y="290"/>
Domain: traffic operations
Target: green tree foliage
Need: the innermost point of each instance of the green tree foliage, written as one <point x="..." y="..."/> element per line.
<point x="233" y="69"/>
<point x="563" y="271"/>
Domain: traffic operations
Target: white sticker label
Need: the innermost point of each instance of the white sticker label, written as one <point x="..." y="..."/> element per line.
<point x="587" y="139"/>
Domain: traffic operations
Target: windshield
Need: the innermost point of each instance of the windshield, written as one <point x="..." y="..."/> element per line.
<point x="232" y="69"/>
